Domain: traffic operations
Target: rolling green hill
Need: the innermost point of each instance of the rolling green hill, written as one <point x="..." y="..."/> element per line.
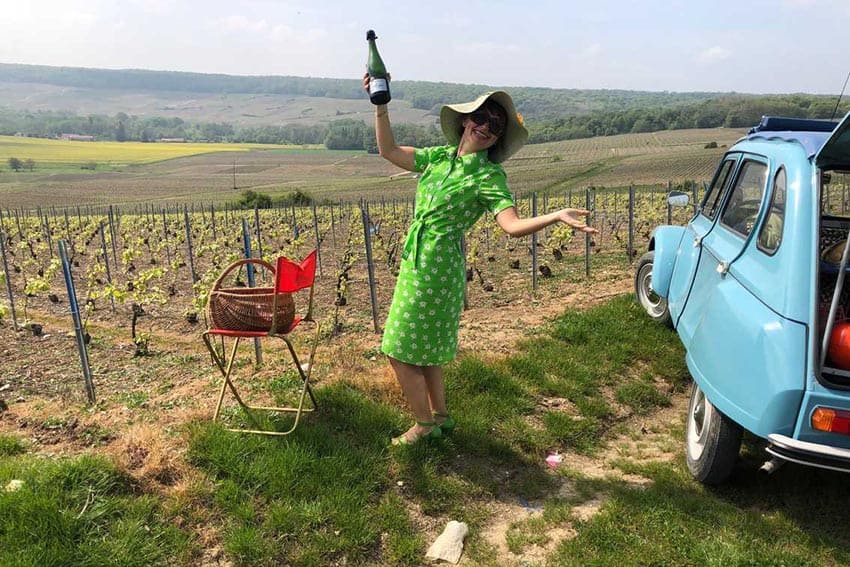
<point x="147" y="105"/>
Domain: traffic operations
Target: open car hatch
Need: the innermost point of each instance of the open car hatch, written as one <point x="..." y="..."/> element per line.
<point x="835" y="153"/>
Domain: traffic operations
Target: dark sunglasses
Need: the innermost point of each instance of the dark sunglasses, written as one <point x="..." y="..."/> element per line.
<point x="495" y="123"/>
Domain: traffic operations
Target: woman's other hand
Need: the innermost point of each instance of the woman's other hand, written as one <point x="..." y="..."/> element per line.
<point x="573" y="218"/>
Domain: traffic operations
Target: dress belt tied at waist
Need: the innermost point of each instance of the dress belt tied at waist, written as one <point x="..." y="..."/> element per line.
<point x="413" y="241"/>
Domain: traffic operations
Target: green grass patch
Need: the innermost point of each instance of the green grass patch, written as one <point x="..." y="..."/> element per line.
<point x="579" y="356"/>
<point x="754" y="521"/>
<point x="82" y="512"/>
<point x="134" y="400"/>
<point x="310" y="498"/>
<point x="642" y="397"/>
<point x="11" y="446"/>
<point x="334" y="493"/>
<point x="334" y="490"/>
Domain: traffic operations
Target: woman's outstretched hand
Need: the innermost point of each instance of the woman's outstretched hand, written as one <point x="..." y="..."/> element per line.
<point x="572" y="217"/>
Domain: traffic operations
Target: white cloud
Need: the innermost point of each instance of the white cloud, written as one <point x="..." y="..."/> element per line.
<point x="714" y="54"/>
<point x="488" y="47"/>
<point x="241" y="24"/>
<point x="158" y="7"/>
<point x="282" y="32"/>
<point x="591" y="50"/>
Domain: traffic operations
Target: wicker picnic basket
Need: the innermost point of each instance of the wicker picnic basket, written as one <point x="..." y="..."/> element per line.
<point x="249" y="308"/>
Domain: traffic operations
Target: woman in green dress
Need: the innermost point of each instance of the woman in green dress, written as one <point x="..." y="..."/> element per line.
<point x="458" y="183"/>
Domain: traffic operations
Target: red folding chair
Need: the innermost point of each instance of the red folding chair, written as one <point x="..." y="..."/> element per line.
<point x="289" y="278"/>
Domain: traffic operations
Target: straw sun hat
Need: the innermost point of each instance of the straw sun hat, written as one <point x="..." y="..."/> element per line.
<point x="514" y="137"/>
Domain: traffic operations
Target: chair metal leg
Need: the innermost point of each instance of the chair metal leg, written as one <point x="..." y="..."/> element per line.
<point x="225" y="366"/>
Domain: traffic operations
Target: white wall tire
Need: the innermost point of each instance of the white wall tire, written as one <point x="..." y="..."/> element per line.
<point x="712" y="440"/>
<point x="654" y="305"/>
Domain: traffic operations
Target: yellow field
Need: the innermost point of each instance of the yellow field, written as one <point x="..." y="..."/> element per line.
<point x="58" y="152"/>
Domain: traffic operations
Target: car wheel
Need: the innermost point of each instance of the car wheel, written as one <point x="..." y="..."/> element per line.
<point x="654" y="304"/>
<point x="713" y="440"/>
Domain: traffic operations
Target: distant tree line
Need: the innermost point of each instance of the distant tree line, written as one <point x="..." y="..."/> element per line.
<point x="535" y="102"/>
<point x="551" y="114"/>
<point x="730" y="111"/>
<point x="345" y="134"/>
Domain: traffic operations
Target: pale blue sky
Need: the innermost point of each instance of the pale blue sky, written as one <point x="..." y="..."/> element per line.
<point x="752" y="46"/>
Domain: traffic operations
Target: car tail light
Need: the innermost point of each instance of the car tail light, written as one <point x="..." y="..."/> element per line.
<point x="827" y="419"/>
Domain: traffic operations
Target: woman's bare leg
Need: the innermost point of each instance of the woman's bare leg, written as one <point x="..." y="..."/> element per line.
<point x="411" y="378"/>
<point x="436" y="385"/>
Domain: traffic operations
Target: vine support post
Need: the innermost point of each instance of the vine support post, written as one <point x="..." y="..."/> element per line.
<point x="318" y="241"/>
<point x="47" y="234"/>
<point x="667" y="203"/>
<point x="695" y="189"/>
<point x="68" y="229"/>
<point x="587" y="234"/>
<point x="631" y="237"/>
<point x="165" y="238"/>
<point x="8" y="280"/>
<point x="18" y="223"/>
<point x="190" y="247"/>
<point x="246" y="239"/>
<point x="364" y="213"/>
<point x="258" y="233"/>
<point x="78" y="328"/>
<point x="112" y="237"/>
<point x="533" y="246"/>
<point x="333" y="226"/>
<point x="212" y="222"/>
<point x="106" y="262"/>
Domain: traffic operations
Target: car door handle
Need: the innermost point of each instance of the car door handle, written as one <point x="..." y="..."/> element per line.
<point x="697" y="241"/>
<point x="722" y="268"/>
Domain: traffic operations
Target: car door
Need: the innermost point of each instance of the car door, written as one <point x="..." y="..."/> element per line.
<point x="690" y="248"/>
<point x="723" y="244"/>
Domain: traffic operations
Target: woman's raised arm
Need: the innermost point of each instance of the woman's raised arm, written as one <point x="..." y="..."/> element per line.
<point x="401" y="156"/>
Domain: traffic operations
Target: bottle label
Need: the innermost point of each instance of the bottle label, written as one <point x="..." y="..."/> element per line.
<point x="377" y="85"/>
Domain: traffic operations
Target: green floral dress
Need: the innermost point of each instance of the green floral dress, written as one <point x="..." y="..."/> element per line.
<point x="452" y="194"/>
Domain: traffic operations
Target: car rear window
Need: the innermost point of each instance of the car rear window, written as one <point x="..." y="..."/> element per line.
<point x="835" y="193"/>
<point x="770" y="235"/>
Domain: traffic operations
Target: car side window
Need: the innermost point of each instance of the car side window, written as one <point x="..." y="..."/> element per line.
<point x="742" y="207"/>
<point x="770" y="235"/>
<point x="712" y="197"/>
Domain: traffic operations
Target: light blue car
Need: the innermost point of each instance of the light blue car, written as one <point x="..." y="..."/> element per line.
<point x="755" y="287"/>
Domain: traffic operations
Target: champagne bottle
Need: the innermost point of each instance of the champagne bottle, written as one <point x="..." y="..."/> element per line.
<point x="379" y="84"/>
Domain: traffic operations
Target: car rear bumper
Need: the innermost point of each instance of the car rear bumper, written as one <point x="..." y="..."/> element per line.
<point x="811" y="454"/>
